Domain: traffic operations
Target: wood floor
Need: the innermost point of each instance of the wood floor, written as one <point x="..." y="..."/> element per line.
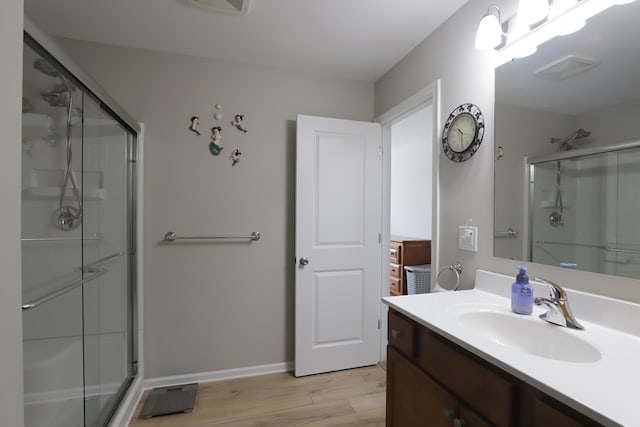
<point x="353" y="397"/>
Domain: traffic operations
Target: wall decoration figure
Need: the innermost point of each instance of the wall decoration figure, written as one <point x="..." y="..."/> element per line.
<point x="235" y="157"/>
<point x="195" y="121"/>
<point x="237" y="122"/>
<point x="216" y="140"/>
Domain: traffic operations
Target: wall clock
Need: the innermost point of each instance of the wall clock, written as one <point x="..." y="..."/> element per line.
<point x="463" y="132"/>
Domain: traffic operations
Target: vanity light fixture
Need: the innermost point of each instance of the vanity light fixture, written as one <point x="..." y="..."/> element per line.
<point x="558" y="9"/>
<point x="565" y="17"/>
<point x="489" y="33"/>
<point x="533" y="11"/>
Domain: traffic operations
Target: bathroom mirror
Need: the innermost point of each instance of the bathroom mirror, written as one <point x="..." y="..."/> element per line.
<point x="565" y="194"/>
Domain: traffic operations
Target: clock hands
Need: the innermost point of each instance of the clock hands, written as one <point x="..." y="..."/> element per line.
<point x="461" y="137"/>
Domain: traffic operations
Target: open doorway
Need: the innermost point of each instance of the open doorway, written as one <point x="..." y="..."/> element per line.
<point x="410" y="190"/>
<point x="411" y="203"/>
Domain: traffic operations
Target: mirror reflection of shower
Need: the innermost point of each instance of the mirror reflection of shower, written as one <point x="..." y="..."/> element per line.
<point x="565" y="143"/>
<point x="66" y="217"/>
<point x="555" y="218"/>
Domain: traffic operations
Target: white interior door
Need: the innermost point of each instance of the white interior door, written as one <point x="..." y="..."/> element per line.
<point x="338" y="226"/>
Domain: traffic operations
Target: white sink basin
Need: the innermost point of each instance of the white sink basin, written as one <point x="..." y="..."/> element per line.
<point x="529" y="334"/>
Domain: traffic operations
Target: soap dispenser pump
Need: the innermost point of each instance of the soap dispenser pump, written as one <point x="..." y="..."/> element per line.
<point x="522" y="293"/>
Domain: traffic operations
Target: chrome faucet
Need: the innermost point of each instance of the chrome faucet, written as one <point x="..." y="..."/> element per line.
<point x="558" y="311"/>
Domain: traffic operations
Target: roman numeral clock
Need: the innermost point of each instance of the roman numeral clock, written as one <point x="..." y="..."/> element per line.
<point x="463" y="132"/>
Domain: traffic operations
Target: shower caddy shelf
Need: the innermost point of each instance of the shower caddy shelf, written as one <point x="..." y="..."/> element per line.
<point x="54" y="193"/>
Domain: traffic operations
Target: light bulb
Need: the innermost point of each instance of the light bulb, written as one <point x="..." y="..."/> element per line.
<point x="532" y="11"/>
<point x="489" y="33"/>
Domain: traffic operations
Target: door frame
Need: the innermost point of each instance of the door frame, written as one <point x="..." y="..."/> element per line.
<point x="429" y="95"/>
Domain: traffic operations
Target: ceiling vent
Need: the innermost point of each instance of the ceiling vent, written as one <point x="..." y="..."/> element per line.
<point x="230" y="7"/>
<point x="563" y="68"/>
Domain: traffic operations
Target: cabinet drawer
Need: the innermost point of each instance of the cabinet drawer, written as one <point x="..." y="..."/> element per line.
<point x="395" y="253"/>
<point x="395" y="270"/>
<point x="395" y="286"/>
<point x="402" y="334"/>
<point x="489" y="393"/>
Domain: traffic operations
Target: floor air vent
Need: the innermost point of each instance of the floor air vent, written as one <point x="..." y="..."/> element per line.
<point x="170" y="400"/>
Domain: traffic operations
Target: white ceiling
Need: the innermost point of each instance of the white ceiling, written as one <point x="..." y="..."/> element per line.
<point x="356" y="39"/>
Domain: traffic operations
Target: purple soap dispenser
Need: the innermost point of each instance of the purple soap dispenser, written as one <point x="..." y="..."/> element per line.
<point x="522" y="293"/>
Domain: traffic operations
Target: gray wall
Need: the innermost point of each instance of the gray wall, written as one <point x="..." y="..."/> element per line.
<point x="10" y="151"/>
<point x="213" y="306"/>
<point x="467" y="189"/>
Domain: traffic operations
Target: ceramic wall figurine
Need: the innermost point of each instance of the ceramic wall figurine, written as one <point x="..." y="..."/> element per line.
<point x="235" y="157"/>
<point x="195" y="121"/>
<point x="216" y="140"/>
<point x="237" y="122"/>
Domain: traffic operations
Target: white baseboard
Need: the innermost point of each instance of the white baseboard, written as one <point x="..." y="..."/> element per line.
<point x="226" y="374"/>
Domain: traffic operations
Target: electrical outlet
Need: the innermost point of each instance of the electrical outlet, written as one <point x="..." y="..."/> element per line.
<point x="468" y="238"/>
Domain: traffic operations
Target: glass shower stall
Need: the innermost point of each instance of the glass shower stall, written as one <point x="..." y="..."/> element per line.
<point x="78" y="247"/>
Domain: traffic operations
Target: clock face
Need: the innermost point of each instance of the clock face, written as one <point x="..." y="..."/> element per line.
<point x="463" y="132"/>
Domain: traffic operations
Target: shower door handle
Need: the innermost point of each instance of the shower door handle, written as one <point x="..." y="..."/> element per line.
<point x="95" y="273"/>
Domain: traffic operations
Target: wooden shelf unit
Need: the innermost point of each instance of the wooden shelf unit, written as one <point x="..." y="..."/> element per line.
<point x="405" y="251"/>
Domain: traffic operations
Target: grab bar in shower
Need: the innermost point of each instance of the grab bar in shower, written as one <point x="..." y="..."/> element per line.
<point x="88" y="267"/>
<point x="95" y="273"/>
<point x="587" y="245"/>
<point x="170" y="236"/>
<point x="509" y="232"/>
<point x="58" y="239"/>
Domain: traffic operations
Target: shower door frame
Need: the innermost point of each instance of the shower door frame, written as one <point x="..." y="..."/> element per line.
<point x="529" y="172"/>
<point x="44" y="45"/>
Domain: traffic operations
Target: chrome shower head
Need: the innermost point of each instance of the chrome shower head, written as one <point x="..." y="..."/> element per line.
<point x="581" y="133"/>
<point x="45" y="68"/>
<point x="55" y="99"/>
<point x="58" y="95"/>
<point x="564" y="142"/>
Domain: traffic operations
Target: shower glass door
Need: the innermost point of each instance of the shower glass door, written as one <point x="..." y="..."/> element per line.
<point x="105" y="252"/>
<point x="77" y="249"/>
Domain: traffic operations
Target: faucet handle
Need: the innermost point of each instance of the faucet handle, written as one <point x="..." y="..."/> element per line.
<point x="557" y="293"/>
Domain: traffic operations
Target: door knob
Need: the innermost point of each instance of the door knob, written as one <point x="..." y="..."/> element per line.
<point x="304" y="260"/>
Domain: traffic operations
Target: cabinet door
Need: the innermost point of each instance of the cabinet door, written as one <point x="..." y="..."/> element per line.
<point x="414" y="399"/>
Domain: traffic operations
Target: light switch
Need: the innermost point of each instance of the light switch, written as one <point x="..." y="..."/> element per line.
<point x="468" y="238"/>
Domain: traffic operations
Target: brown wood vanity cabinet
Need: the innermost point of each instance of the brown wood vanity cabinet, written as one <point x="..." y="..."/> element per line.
<point x="434" y="382"/>
<point x="405" y="251"/>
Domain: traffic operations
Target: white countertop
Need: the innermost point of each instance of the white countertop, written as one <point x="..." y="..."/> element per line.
<point x="606" y="390"/>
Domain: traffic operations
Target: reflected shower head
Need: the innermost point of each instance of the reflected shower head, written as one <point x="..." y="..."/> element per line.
<point x="45" y="68"/>
<point x="564" y="142"/>
<point x="581" y="133"/>
<point x="55" y="99"/>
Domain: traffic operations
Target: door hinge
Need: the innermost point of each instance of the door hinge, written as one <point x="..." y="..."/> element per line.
<point x="379" y="237"/>
<point x="378" y="324"/>
<point x="380" y="151"/>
